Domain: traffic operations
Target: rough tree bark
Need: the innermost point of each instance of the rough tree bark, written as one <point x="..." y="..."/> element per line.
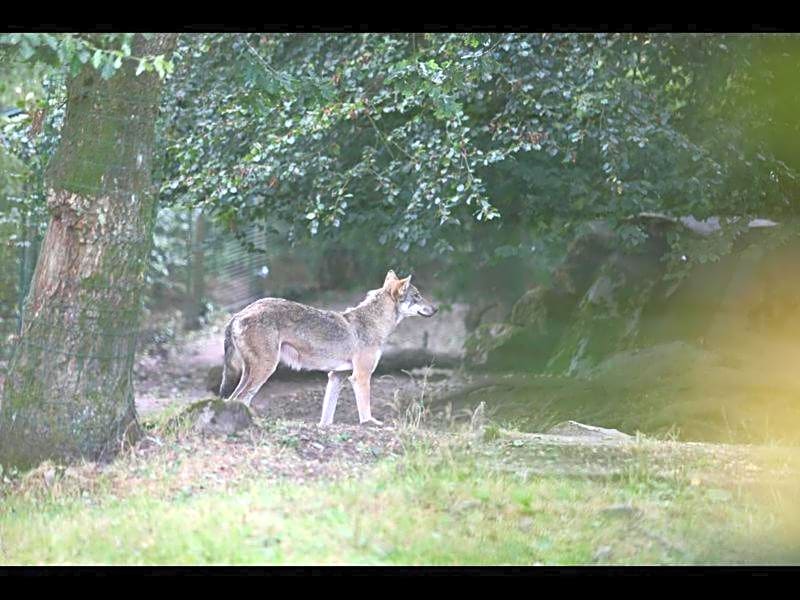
<point x="69" y="390"/>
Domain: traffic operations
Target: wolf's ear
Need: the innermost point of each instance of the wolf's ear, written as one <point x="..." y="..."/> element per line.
<point x="399" y="287"/>
<point x="404" y="283"/>
<point x="390" y="279"/>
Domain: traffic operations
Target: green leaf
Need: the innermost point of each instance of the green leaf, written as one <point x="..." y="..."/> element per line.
<point x="25" y="49"/>
<point x="108" y="70"/>
<point x="158" y="64"/>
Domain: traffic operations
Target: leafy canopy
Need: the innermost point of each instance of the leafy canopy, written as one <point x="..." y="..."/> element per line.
<point x="424" y="138"/>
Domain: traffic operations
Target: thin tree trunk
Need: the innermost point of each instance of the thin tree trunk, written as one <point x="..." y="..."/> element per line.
<point x="69" y="389"/>
<point x="195" y="298"/>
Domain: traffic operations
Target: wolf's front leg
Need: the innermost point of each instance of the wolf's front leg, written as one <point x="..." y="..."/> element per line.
<point x="364" y="363"/>
<point x="335" y="382"/>
<point x="361" y="388"/>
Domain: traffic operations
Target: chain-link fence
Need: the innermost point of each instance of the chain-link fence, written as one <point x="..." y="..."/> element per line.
<point x="225" y="270"/>
<point x="18" y="257"/>
<point x="193" y="262"/>
<point x="22" y="214"/>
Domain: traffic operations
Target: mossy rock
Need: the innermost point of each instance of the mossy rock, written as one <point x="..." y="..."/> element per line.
<point x="531" y="308"/>
<point x="486" y="338"/>
<point x="217" y="417"/>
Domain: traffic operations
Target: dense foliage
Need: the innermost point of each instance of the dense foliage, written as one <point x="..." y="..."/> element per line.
<point x="486" y="148"/>
<point x="421" y="140"/>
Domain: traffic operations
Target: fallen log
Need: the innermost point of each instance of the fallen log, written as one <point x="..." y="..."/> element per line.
<point x="406" y="360"/>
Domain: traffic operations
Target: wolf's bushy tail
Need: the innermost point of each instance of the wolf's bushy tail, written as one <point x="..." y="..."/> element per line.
<point x="230" y="373"/>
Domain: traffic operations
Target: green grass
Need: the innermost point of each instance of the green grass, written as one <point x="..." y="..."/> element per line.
<point x="448" y="507"/>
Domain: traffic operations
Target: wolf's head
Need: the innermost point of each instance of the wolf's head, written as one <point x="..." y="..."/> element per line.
<point x="409" y="301"/>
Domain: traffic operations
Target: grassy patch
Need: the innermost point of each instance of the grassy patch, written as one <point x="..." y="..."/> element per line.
<point x="460" y="503"/>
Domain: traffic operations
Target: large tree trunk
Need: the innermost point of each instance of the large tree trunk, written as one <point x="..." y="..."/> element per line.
<point x="69" y="390"/>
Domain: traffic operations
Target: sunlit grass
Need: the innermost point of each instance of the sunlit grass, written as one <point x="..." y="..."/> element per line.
<point x="455" y="507"/>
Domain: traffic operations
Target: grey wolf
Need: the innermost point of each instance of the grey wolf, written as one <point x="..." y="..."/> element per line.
<point x="273" y="330"/>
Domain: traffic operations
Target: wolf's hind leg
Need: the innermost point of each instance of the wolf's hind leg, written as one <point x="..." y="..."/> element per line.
<point x="335" y="382"/>
<point x="258" y="376"/>
<point x="260" y="363"/>
<point x="241" y="385"/>
<point x="230" y="381"/>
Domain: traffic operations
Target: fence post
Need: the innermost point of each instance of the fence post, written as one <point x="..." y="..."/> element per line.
<point x="195" y="283"/>
<point x="22" y="286"/>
